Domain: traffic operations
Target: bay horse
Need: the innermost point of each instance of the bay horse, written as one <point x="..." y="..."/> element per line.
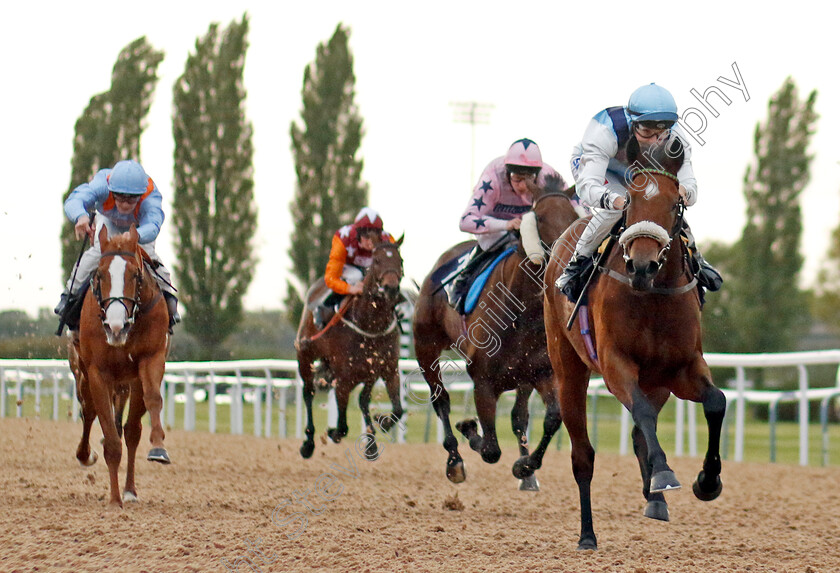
<point x="360" y="344"/>
<point x="508" y="313"/>
<point x="644" y="319"/>
<point x="119" y="355"/>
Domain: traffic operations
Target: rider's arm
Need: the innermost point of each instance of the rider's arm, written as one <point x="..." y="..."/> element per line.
<point x="476" y="217"/>
<point x="686" y="172"/>
<point x="335" y="267"/>
<point x="150" y="217"/>
<point x="596" y="149"/>
<point x="84" y="197"/>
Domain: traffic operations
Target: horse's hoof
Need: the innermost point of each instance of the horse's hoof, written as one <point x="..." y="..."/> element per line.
<point x="92" y="457"/>
<point x="657" y="510"/>
<point x="129" y="497"/>
<point x="467" y="427"/>
<point x="456" y="473"/>
<point x="587" y="544"/>
<point x="306" y="450"/>
<point x="665" y="480"/>
<point x="491" y="456"/>
<point x="521" y="469"/>
<point x="529" y="484"/>
<point x="158" y="455"/>
<point x="371" y="452"/>
<point x="707" y="495"/>
<point x="334" y="435"/>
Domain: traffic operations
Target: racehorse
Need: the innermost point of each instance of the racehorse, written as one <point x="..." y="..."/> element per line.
<point x="119" y="355"/>
<point x="502" y="339"/>
<point x="644" y="319"/>
<point x="360" y="344"/>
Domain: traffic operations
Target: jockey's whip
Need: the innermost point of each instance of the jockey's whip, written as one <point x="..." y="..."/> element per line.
<point x="62" y="321"/>
<point x="582" y="296"/>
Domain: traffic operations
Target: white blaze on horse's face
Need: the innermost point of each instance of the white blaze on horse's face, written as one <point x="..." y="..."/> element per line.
<point x="116" y="315"/>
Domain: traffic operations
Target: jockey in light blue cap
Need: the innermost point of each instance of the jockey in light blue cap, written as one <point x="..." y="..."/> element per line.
<point x="601" y="172"/>
<point x="122" y="196"/>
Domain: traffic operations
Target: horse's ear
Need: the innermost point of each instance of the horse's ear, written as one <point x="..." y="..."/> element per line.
<point x="103" y="237"/>
<point x="132" y="232"/>
<point x="633" y="150"/>
<point x="399" y="241"/>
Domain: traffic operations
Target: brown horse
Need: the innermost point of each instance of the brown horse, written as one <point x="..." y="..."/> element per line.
<point x="502" y="340"/>
<point x="360" y="345"/>
<point x="120" y="355"/>
<point x="644" y="318"/>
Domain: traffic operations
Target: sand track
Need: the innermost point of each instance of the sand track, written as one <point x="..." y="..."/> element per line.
<point x="218" y="496"/>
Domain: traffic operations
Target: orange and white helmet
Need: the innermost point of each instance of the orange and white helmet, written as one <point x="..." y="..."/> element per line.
<point x="524" y="155"/>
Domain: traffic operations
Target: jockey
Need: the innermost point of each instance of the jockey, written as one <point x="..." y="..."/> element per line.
<point x="350" y="256"/>
<point x="122" y="196"/>
<point x="499" y="200"/>
<point x="599" y="166"/>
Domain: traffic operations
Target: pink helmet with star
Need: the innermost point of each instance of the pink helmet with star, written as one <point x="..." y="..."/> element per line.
<point x="524" y="153"/>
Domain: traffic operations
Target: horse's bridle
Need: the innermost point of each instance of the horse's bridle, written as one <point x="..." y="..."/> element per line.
<point x="626" y="238"/>
<point x="105" y="303"/>
<point x="662" y="256"/>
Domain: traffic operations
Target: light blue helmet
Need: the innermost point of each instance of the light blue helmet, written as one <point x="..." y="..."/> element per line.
<point x="128" y="177"/>
<point x="652" y="103"/>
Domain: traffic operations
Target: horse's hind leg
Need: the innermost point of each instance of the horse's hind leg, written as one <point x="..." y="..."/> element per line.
<point x="525" y="466"/>
<point x="708" y="485"/>
<point x="392" y="384"/>
<point x="133" y="431"/>
<point x="519" y="422"/>
<point x="371" y="451"/>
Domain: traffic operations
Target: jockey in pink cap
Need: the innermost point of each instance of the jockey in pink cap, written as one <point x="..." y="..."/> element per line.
<point x="499" y="200"/>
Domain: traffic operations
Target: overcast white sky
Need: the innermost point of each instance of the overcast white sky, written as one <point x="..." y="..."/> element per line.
<point x="546" y="67"/>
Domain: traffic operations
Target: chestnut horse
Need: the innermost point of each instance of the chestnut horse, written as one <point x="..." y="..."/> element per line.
<point x="120" y="355"/>
<point x="360" y="344"/>
<point x="502" y="340"/>
<point x="644" y="318"/>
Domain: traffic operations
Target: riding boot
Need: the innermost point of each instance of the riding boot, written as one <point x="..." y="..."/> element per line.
<point x="574" y="276"/>
<point x="708" y="276"/>
<point x="172" y="305"/>
<point x="457" y="290"/>
<point x="62" y="303"/>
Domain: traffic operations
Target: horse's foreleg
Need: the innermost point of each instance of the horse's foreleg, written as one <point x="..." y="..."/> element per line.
<point x="645" y="413"/>
<point x="151" y="375"/>
<point x="656" y="507"/>
<point x="84" y="454"/>
<point x="133" y="431"/>
<point x="342" y="397"/>
<point x="103" y="402"/>
<point x="708" y="485"/>
<point x="306" y="375"/>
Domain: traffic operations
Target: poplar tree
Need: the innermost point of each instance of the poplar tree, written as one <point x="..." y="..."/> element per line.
<point x="214" y="213"/>
<point x="329" y="190"/>
<point x="765" y="308"/>
<point x="110" y="127"/>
